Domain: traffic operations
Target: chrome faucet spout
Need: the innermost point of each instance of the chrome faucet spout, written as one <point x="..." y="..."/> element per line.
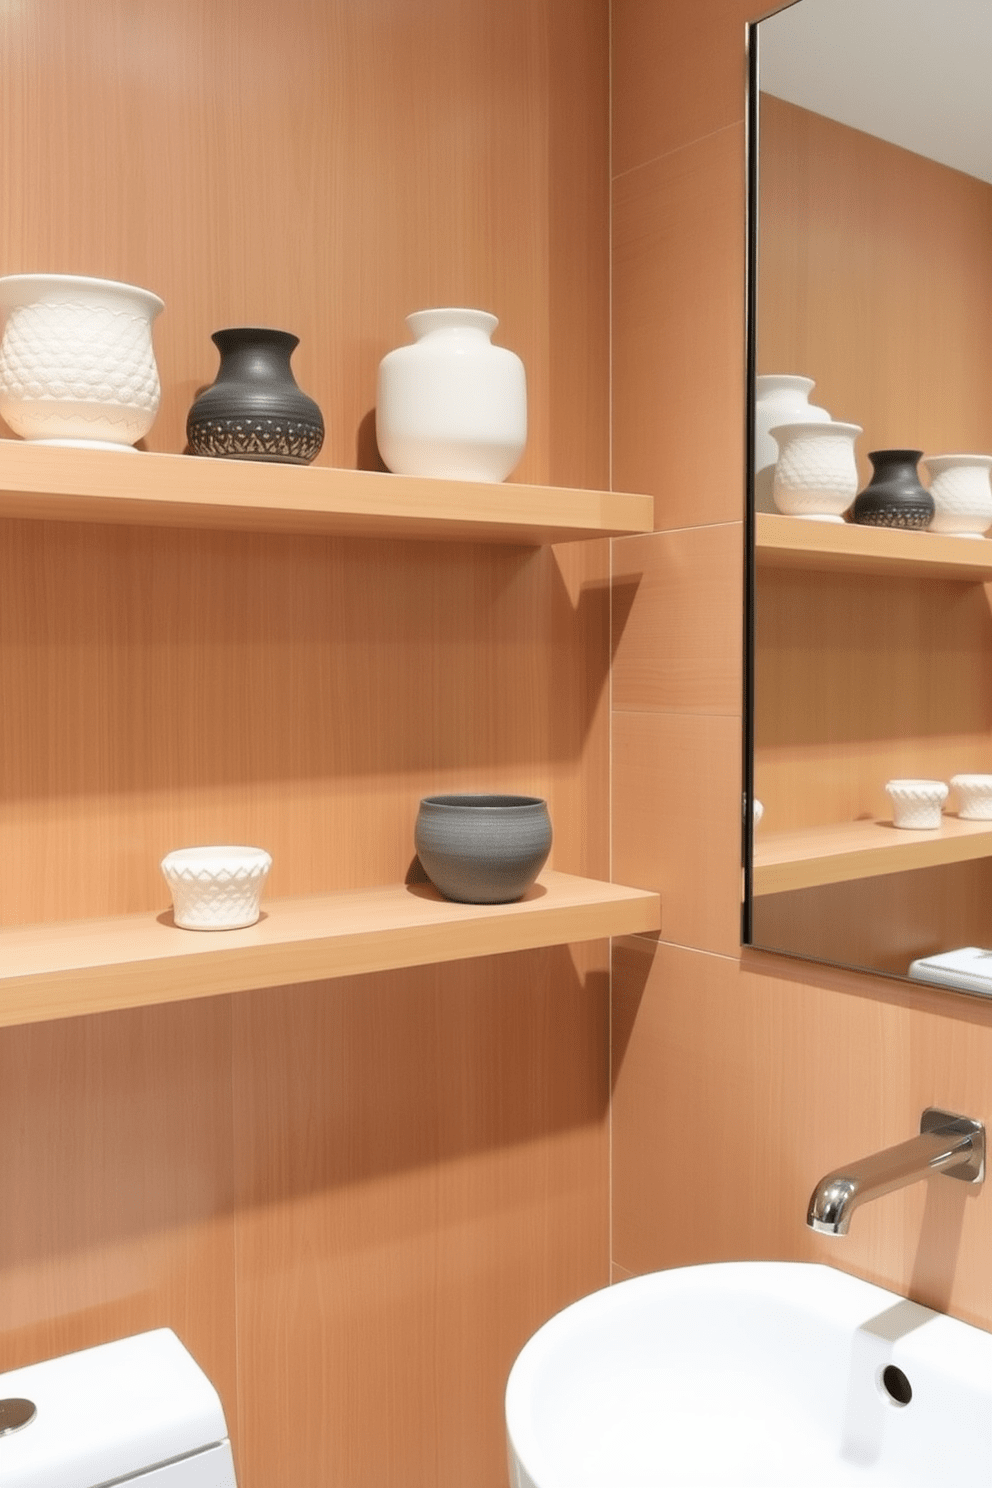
<point x="949" y="1144"/>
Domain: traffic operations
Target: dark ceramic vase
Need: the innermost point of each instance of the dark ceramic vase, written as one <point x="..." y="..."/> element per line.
<point x="894" y="496"/>
<point x="255" y="410"/>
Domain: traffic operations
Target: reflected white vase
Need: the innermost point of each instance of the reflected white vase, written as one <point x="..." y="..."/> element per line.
<point x="962" y="494"/>
<point x="77" y="366"/>
<point x="452" y="405"/>
<point x="816" y="475"/>
<point x="779" y="398"/>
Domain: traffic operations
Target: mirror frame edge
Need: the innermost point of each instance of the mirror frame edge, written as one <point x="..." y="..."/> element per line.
<point x="750" y="352"/>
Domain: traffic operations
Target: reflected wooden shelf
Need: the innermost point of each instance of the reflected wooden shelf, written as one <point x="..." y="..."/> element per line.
<point x="71" y="485"/>
<point x="791" y="542"/>
<point x="862" y="849"/>
<point x="92" y="966"/>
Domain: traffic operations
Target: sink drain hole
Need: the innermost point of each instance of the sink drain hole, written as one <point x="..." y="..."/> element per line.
<point x="896" y="1385"/>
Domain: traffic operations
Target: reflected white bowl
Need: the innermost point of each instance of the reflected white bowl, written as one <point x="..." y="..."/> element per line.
<point x="816" y="475"/>
<point x="974" y="796"/>
<point x="962" y="494"/>
<point x="917" y="804"/>
<point x="216" y="888"/>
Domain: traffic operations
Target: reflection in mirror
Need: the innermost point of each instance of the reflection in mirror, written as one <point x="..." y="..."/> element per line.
<point x="870" y="654"/>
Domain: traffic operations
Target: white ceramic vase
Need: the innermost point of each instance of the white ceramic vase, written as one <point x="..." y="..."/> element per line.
<point x="779" y="398"/>
<point x="77" y="366"/>
<point x="816" y="475"/>
<point x="452" y="405"/>
<point x="962" y="494"/>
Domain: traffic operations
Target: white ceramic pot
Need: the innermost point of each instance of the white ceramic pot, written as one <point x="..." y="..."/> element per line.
<point x="916" y="804"/>
<point x="779" y="398"/>
<point x="962" y="494"/>
<point x="974" y="794"/>
<point x="76" y="361"/>
<point x="216" y="888"/>
<point x="452" y="405"/>
<point x="816" y="474"/>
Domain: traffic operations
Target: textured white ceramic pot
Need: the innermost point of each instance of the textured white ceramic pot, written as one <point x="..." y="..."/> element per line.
<point x="216" y="888"/>
<point x="482" y="849"/>
<point x="452" y="405"/>
<point x="816" y="474"/>
<point x="916" y="804"/>
<point x="779" y="398"/>
<point x="962" y="494"/>
<point x="974" y="794"/>
<point x="76" y="360"/>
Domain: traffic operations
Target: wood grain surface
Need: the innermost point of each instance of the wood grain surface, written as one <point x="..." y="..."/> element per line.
<point x="374" y="1196"/>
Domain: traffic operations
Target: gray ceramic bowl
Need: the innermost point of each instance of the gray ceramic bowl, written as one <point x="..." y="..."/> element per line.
<point x="481" y="849"/>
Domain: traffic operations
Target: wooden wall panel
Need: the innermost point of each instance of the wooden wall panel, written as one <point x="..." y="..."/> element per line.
<point x="398" y="1156"/>
<point x="328" y="168"/>
<point x="859" y="682"/>
<point x="119" y="1185"/>
<point x="677" y="360"/>
<point x="678" y="72"/>
<point x="676" y="822"/>
<point x="798" y="1070"/>
<point x="797" y="1067"/>
<point x="677" y="624"/>
<point x="873" y="280"/>
<point x="299" y="693"/>
<point x="884" y="922"/>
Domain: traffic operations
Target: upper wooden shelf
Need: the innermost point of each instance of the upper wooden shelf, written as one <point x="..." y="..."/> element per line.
<point x="792" y="542"/>
<point x="94" y="966"/>
<point x="842" y="851"/>
<point x="74" y="485"/>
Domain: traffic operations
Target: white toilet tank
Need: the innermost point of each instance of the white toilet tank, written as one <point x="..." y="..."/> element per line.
<point x="139" y="1410"/>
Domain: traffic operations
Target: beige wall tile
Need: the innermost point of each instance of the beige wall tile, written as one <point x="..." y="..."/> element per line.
<point x="676" y="821"/>
<point x="783" y="1072"/>
<point x="679" y="72"/>
<point x="678" y="331"/>
<point x="423" y="1182"/>
<point x="677" y="621"/>
<point x="118" y="1185"/>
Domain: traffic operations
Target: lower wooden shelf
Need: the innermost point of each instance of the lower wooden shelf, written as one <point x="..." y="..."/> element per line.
<point x="94" y="966"/>
<point x="843" y="547"/>
<point x="812" y="856"/>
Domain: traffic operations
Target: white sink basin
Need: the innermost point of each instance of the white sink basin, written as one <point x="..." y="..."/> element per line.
<point x="763" y="1373"/>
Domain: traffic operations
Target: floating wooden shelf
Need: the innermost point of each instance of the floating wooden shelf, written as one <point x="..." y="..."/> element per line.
<point x="791" y="542"/>
<point x="72" y="485"/>
<point x="93" y="966"/>
<point x="861" y="849"/>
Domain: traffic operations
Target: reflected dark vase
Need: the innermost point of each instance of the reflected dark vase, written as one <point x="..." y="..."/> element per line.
<point x="894" y="496"/>
<point x="254" y="410"/>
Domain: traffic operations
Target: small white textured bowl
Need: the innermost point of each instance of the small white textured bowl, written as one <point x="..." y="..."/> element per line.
<point x="216" y="888"/>
<point x="816" y="475"/>
<point x="917" y="803"/>
<point x="77" y="366"/>
<point x="974" y="796"/>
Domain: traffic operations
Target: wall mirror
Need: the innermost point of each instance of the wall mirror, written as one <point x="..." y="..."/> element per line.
<point x="869" y="647"/>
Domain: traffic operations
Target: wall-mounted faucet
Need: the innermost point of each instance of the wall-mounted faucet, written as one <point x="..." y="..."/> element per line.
<point x="949" y="1144"/>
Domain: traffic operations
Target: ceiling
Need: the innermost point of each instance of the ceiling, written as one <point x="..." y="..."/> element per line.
<point x="917" y="73"/>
